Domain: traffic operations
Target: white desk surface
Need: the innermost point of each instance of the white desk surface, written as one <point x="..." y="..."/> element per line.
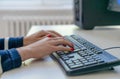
<point x="48" y="69"/>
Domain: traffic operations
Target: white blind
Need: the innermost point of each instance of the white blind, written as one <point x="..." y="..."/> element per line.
<point x="35" y="4"/>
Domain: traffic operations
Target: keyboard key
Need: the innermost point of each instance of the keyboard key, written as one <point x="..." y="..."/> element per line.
<point x="66" y="52"/>
<point x="82" y="59"/>
<point x="71" y="56"/>
<point x="65" y="57"/>
<point x="98" y="52"/>
<point x="71" y="64"/>
<point x="76" y="47"/>
<point x="100" y="61"/>
<point x="76" y="66"/>
<point x="85" y="61"/>
<point x="91" y="60"/>
<point x="76" y="61"/>
<point x="68" y="61"/>
<point x="60" y="53"/>
<point x="77" y="50"/>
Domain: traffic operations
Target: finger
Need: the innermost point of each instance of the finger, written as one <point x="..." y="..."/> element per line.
<point x="57" y="38"/>
<point x="55" y="33"/>
<point x="62" y="41"/>
<point x="62" y="48"/>
<point x="42" y="33"/>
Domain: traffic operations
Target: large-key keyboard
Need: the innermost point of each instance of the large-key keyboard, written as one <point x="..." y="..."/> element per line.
<point x="86" y="57"/>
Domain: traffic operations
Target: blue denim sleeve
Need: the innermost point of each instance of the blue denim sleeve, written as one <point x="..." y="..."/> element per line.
<point x="15" y="42"/>
<point x="1" y="43"/>
<point x="10" y="59"/>
<point x="12" y="43"/>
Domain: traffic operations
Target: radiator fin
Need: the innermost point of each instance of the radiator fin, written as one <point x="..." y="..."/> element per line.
<point x="19" y="26"/>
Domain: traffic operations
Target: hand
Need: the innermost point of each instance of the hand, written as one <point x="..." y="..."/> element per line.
<point x="38" y="36"/>
<point x="44" y="47"/>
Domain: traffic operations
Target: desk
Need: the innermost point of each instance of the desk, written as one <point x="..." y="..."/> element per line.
<point x="49" y="69"/>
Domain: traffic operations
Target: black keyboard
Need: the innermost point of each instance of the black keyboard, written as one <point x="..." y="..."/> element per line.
<point x="86" y="57"/>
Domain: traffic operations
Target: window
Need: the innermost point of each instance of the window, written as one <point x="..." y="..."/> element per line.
<point x="34" y="4"/>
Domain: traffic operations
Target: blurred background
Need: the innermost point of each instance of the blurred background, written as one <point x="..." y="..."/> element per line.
<point x="17" y="16"/>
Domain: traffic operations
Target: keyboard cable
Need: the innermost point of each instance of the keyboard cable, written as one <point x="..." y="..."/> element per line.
<point x="111" y="48"/>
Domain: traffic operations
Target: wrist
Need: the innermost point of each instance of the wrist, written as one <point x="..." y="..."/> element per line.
<point x="24" y="53"/>
<point x="25" y="41"/>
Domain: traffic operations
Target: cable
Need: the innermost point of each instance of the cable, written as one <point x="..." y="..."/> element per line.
<point x="111" y="48"/>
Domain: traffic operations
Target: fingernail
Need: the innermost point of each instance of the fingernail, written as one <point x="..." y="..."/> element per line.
<point x="72" y="49"/>
<point x="72" y="45"/>
<point x="49" y="35"/>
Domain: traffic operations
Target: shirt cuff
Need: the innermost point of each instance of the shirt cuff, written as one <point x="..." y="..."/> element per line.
<point x="11" y="60"/>
<point x="15" y="42"/>
<point x="15" y="57"/>
<point x="1" y="43"/>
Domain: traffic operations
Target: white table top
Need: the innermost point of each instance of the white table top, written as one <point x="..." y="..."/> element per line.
<point x="48" y="69"/>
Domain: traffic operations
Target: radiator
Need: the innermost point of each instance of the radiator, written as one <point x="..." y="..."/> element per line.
<point x="20" y="25"/>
